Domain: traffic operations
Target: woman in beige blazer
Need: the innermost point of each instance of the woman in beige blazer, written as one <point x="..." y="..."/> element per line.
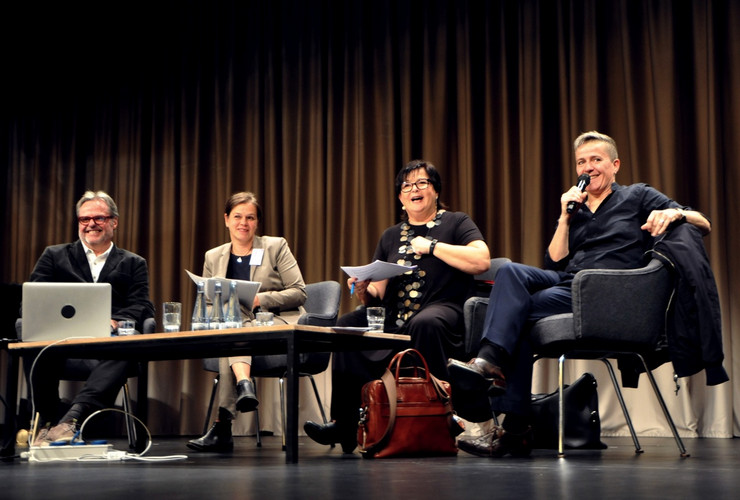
<point x="249" y="257"/>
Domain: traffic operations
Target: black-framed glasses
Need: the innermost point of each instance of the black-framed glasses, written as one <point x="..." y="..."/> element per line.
<point x="420" y="184"/>
<point x="99" y="219"/>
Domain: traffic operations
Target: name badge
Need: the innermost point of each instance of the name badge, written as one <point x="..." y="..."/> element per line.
<point x="256" y="258"/>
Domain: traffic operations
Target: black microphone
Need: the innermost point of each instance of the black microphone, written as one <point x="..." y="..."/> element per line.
<point x="583" y="181"/>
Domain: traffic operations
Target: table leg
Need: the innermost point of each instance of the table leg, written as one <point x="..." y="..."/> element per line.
<point x="142" y="392"/>
<point x="11" y="395"/>
<point x="291" y="434"/>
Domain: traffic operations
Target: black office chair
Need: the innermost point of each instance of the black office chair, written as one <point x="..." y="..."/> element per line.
<point x="78" y="372"/>
<point x="474" y="311"/>
<point x="631" y="324"/>
<point x="322" y="309"/>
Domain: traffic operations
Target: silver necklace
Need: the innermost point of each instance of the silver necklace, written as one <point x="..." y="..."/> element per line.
<point x="239" y="257"/>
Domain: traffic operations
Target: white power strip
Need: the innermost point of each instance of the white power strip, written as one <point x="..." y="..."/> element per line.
<point x="68" y="452"/>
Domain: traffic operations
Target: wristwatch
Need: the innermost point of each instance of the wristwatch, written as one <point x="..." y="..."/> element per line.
<point x="431" y="247"/>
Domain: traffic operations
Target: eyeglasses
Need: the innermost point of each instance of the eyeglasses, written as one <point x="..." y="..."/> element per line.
<point x="99" y="219"/>
<point x="420" y="184"/>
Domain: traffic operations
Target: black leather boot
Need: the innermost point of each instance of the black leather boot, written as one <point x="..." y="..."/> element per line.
<point x="217" y="439"/>
<point x="246" y="399"/>
<point x="331" y="433"/>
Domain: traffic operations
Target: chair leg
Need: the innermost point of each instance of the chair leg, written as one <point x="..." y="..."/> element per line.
<point x="316" y="392"/>
<point x="210" y="405"/>
<point x="257" y="418"/>
<point x="130" y="424"/>
<point x="561" y="413"/>
<point x="627" y="418"/>
<point x="283" y="416"/>
<point x="318" y="398"/>
<point x="679" y="442"/>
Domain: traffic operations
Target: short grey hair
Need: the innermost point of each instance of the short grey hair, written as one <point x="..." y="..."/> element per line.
<point x="98" y="195"/>
<point x="611" y="145"/>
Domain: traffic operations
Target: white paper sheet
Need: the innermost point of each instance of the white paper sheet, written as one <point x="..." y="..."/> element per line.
<point x="246" y="289"/>
<point x="376" y="271"/>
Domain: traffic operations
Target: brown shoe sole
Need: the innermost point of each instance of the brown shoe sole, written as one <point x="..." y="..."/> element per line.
<point x="469" y="379"/>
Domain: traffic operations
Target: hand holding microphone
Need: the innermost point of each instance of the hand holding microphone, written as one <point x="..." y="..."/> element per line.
<point x="582" y="183"/>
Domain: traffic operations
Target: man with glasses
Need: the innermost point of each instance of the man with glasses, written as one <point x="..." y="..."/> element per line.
<point x="95" y="259"/>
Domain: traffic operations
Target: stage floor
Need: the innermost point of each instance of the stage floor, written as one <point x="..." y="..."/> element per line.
<point x="711" y="472"/>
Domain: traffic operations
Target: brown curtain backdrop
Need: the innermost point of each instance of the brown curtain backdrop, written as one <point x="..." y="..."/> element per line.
<point x="314" y="106"/>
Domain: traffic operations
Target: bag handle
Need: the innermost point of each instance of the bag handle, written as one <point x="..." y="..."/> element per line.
<point x="441" y="392"/>
<point x="411" y="352"/>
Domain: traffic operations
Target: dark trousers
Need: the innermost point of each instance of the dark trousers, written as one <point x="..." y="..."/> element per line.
<point x="521" y="295"/>
<point x="103" y="381"/>
<point x="435" y="333"/>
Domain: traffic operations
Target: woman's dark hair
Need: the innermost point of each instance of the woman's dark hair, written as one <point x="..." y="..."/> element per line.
<point x="430" y="169"/>
<point x="243" y="197"/>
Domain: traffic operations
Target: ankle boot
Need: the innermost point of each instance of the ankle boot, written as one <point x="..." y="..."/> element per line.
<point x="331" y="433"/>
<point x="246" y="399"/>
<point x="217" y="439"/>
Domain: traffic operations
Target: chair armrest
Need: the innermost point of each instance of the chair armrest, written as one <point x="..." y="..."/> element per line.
<point x="315" y="319"/>
<point x="624" y="305"/>
<point x="149" y="326"/>
<point x="474" y="314"/>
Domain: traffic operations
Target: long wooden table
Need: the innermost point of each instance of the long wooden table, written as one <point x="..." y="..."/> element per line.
<point x="278" y="339"/>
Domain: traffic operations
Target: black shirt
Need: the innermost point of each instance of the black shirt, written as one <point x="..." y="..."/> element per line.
<point x="611" y="237"/>
<point x="439" y="282"/>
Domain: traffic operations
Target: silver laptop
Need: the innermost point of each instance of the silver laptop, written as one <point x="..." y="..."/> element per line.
<point x="54" y="311"/>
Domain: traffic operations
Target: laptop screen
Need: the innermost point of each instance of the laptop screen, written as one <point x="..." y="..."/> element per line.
<point x="55" y="311"/>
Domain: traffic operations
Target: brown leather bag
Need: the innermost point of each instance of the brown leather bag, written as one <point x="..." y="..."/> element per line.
<point x="405" y="415"/>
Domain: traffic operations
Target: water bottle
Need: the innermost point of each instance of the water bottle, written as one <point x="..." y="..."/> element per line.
<point x="200" y="317"/>
<point x="233" y="316"/>
<point x="216" y="320"/>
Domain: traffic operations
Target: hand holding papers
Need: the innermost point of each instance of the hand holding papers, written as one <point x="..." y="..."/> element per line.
<point x="376" y="271"/>
<point x="246" y="289"/>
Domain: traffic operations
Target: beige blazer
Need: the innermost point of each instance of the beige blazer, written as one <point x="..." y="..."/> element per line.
<point x="282" y="286"/>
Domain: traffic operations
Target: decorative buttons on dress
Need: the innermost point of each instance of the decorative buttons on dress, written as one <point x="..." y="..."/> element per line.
<point x="410" y="290"/>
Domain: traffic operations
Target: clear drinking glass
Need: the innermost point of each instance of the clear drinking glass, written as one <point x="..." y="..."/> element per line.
<point x="264" y="319"/>
<point x="171" y="316"/>
<point x="126" y="327"/>
<point x="375" y="318"/>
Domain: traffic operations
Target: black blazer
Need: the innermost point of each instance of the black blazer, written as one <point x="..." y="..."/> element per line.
<point x="125" y="271"/>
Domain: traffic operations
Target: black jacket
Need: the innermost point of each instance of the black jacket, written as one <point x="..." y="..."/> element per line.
<point x="124" y="270"/>
<point x="694" y="321"/>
